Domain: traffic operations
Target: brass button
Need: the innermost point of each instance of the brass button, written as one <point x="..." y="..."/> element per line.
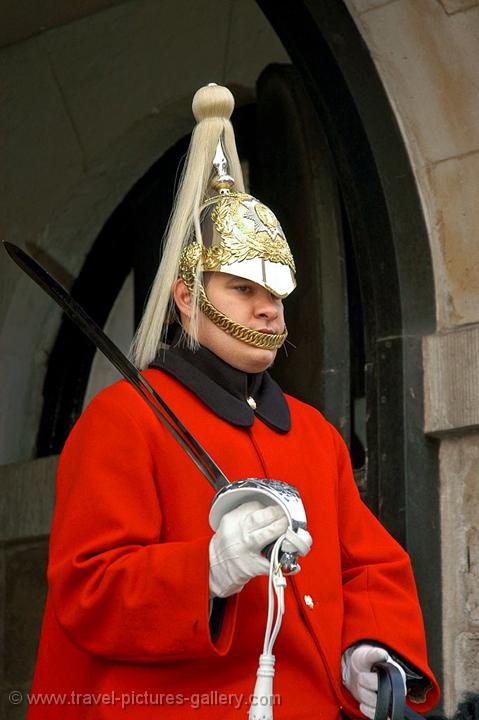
<point x="308" y="601"/>
<point x="251" y="402"/>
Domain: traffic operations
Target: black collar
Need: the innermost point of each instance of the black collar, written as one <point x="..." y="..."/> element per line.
<point x="224" y="389"/>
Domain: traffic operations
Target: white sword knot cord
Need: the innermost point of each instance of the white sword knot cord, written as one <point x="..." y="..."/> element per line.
<point x="262" y="700"/>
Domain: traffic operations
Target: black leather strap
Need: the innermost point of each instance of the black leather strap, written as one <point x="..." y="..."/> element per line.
<point x="391" y="699"/>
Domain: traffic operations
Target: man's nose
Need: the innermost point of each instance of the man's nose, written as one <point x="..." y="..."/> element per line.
<point x="268" y="306"/>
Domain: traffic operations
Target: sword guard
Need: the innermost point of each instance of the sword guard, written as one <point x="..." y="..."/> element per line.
<point x="267" y="492"/>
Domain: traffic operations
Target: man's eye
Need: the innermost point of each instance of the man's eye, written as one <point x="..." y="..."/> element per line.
<point x="243" y="288"/>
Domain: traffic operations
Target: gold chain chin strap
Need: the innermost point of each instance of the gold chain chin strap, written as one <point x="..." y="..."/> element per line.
<point x="258" y="339"/>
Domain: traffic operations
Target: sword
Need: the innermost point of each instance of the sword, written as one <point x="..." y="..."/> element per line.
<point x="228" y="495"/>
<point x="203" y="461"/>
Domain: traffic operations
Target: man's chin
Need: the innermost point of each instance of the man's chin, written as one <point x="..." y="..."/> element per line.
<point x="254" y="360"/>
<point x="237" y="353"/>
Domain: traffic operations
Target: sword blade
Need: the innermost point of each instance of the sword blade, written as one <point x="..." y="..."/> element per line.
<point x="203" y="461"/>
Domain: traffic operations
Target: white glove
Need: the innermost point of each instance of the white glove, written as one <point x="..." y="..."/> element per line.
<point x="235" y="548"/>
<point x="356" y="665"/>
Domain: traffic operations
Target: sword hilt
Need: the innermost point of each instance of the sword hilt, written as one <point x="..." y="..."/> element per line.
<point x="267" y="492"/>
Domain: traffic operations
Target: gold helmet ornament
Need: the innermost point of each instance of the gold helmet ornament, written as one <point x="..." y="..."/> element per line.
<point x="215" y="226"/>
<point x="242" y="237"/>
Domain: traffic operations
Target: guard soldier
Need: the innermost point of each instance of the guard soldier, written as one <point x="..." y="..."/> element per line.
<point x="150" y="614"/>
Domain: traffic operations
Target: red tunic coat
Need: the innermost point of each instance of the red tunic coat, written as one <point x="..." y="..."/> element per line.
<point x="126" y="631"/>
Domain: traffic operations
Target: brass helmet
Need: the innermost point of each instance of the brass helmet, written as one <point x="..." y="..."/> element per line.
<point x="240" y="236"/>
<point x="216" y="227"/>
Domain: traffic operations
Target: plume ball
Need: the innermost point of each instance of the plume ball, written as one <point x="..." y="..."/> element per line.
<point x="212" y="101"/>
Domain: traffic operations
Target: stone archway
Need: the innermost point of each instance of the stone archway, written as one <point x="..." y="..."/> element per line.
<point x="69" y="160"/>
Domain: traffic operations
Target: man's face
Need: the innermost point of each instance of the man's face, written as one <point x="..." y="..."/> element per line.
<point x="247" y="303"/>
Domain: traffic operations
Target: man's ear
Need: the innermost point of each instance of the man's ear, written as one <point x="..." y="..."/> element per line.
<point x="182" y="297"/>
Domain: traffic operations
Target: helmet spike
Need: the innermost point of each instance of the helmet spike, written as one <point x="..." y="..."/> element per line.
<point x="223" y="182"/>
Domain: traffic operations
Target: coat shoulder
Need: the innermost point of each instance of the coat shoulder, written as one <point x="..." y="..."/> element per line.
<point x="122" y="404"/>
<point x="308" y="416"/>
<point x="301" y="409"/>
<point x="123" y="393"/>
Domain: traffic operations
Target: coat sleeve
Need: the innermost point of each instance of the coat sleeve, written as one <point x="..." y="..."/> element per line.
<point x="380" y="598"/>
<point x="117" y="590"/>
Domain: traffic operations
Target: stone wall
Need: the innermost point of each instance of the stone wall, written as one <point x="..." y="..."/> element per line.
<point x="26" y="508"/>
<point x="460" y="524"/>
<point x="426" y="53"/>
